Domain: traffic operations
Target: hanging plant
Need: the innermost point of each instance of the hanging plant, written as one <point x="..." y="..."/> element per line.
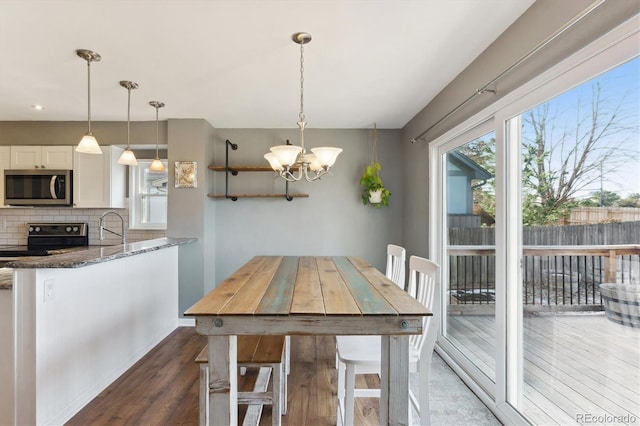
<point x="373" y="191"/>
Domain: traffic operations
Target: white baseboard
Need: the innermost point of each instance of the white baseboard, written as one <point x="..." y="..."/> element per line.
<point x="186" y="322"/>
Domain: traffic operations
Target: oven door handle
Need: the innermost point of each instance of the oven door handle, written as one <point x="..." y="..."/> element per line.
<point x="52" y="187"/>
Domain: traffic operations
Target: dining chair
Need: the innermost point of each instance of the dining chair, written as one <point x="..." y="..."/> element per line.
<point x="361" y="354"/>
<point x="396" y="263"/>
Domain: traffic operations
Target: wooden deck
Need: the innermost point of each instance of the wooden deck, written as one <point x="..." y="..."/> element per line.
<point x="574" y="365"/>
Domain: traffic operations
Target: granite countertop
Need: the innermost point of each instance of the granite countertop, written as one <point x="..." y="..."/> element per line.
<point x="6" y="278"/>
<point x="91" y="255"/>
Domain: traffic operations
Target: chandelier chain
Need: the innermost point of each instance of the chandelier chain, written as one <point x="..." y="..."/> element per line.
<point x="301" y="115"/>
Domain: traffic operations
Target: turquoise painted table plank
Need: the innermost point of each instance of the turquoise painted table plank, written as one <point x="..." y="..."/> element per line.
<point x="277" y="299"/>
<point x="368" y="299"/>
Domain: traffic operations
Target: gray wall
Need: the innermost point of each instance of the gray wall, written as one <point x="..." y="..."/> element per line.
<point x="70" y="132"/>
<point x="541" y="20"/>
<point x="332" y="221"/>
<point x="189" y="213"/>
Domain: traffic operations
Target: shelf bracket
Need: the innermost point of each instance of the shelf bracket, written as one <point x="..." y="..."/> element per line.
<point x="234" y="171"/>
<point x="233" y="146"/>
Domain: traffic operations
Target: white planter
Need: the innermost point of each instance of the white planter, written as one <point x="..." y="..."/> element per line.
<point x="375" y="197"/>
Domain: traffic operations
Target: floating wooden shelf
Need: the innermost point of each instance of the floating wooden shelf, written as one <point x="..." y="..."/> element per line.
<point x="234" y="170"/>
<point x="241" y="168"/>
<point x="245" y="168"/>
<point x="257" y="195"/>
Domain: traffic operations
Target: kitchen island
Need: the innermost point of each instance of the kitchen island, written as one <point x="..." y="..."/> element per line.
<point x="80" y="319"/>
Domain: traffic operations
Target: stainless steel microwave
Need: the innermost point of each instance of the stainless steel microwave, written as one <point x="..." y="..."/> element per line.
<point x="38" y="187"/>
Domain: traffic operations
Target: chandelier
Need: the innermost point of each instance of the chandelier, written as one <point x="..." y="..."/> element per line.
<point x="287" y="159"/>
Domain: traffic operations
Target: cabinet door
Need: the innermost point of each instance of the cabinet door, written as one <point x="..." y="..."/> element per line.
<point x="5" y="163"/>
<point x="26" y="157"/>
<point x="45" y="157"/>
<point x="98" y="180"/>
<point x="57" y="157"/>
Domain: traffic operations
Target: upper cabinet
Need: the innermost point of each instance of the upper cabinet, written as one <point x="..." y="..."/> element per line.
<point x="5" y="163"/>
<point x="98" y="180"/>
<point x="45" y="157"/>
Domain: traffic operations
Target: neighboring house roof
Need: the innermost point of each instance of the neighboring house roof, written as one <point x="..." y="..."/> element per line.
<point x="478" y="172"/>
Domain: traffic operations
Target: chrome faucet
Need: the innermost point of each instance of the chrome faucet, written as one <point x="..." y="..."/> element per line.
<point x="103" y="228"/>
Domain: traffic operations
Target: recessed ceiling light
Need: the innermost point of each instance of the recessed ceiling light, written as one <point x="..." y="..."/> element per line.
<point x="37" y="107"/>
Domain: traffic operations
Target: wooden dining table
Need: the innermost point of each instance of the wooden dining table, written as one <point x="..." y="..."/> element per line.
<point x="310" y="295"/>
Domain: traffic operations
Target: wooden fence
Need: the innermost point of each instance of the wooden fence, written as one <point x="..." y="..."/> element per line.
<point x="570" y="235"/>
<point x="583" y="215"/>
<point x="561" y="265"/>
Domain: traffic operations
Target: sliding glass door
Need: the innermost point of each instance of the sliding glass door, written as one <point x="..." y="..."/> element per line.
<point x="580" y="167"/>
<point x="527" y="223"/>
<point x="468" y="261"/>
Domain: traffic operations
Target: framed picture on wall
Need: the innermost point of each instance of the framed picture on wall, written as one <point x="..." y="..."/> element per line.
<point x="185" y="175"/>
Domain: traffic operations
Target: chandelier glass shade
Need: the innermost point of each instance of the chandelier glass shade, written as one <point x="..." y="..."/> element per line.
<point x="88" y="144"/>
<point x="156" y="165"/>
<point x="289" y="159"/>
<point x="128" y="158"/>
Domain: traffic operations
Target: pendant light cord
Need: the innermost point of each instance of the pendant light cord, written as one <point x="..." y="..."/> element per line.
<point x="157" y="130"/>
<point x="129" y="117"/>
<point x="157" y="165"/>
<point x="89" y="95"/>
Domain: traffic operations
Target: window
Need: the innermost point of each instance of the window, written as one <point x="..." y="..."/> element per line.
<point x="147" y="196"/>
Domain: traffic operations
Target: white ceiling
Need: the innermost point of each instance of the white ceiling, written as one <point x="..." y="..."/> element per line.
<point x="233" y="62"/>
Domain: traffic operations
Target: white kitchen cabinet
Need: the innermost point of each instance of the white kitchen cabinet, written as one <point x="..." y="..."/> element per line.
<point x="42" y="157"/>
<point x="5" y="163"/>
<point x="98" y="180"/>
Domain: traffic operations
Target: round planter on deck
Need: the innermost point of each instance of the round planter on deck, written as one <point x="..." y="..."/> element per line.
<point x="622" y="303"/>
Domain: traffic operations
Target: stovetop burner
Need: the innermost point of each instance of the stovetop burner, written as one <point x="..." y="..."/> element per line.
<point x="44" y="237"/>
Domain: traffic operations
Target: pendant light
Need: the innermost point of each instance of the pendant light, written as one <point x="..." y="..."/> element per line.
<point x="285" y="159"/>
<point x="156" y="165"/>
<point x="128" y="158"/>
<point x="88" y="144"/>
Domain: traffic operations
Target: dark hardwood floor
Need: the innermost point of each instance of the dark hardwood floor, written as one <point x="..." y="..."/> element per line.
<point x="162" y="388"/>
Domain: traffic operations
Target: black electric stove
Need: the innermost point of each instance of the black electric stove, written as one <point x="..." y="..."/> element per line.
<point x="43" y="238"/>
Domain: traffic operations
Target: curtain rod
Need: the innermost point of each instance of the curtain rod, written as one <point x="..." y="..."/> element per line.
<point x="485" y="89"/>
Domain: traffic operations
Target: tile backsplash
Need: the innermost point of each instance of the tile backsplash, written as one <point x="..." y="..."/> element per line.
<point x="13" y="224"/>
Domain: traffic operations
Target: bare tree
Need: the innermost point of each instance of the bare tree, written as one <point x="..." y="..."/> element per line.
<point x="561" y="159"/>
